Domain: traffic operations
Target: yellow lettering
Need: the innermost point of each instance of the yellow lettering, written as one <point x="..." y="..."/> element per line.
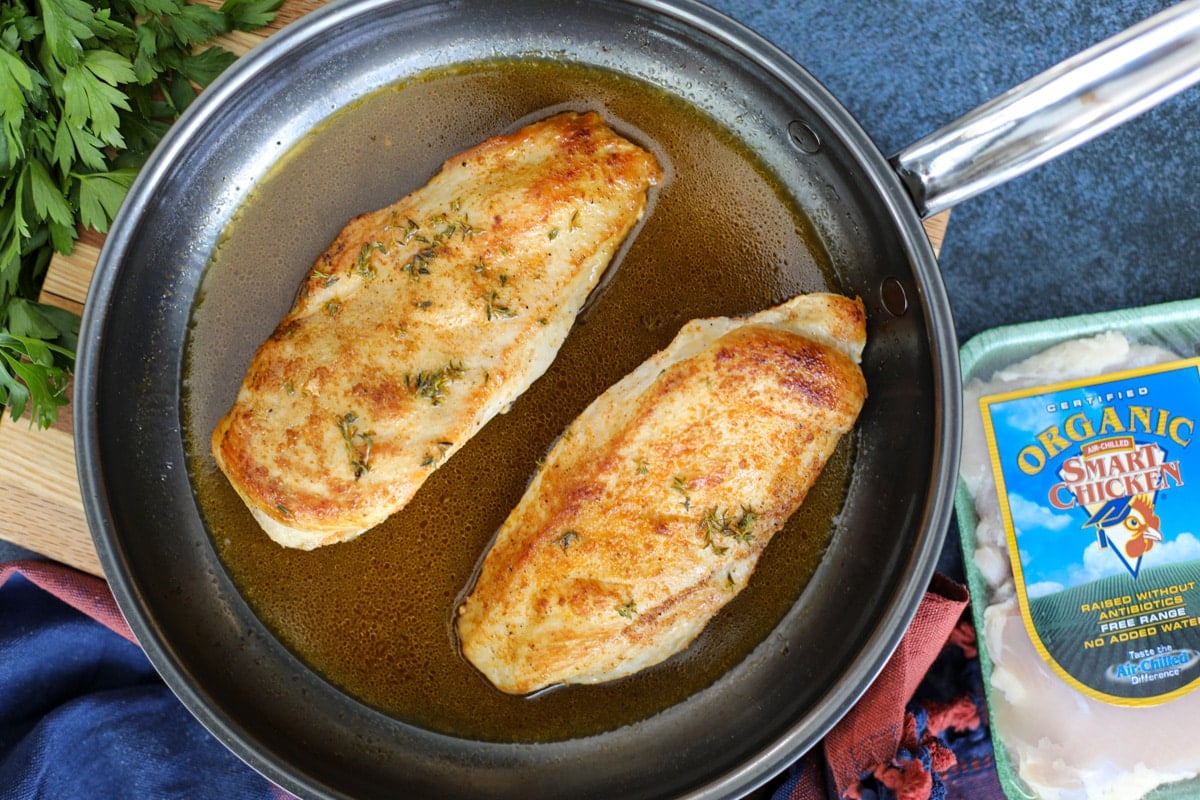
<point x="1079" y="427"/>
<point x="1139" y="416"/>
<point x="1177" y="431"/>
<point x="1110" y="422"/>
<point x="1052" y="441"/>
<point x="1031" y="459"/>
<point x="1161" y="428"/>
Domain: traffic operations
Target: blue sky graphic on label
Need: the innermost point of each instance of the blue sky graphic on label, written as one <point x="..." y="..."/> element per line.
<point x="1100" y="478"/>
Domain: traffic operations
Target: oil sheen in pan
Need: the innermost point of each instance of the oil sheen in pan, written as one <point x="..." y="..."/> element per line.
<point x="374" y="616"/>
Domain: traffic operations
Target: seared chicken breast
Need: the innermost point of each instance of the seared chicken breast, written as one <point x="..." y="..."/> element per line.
<point x="422" y="321"/>
<point x="650" y="512"/>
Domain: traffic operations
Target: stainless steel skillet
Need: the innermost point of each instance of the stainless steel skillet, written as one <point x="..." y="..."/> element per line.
<point x="256" y="695"/>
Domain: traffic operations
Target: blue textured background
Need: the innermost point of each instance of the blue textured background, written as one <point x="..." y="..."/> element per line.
<point x="1113" y="224"/>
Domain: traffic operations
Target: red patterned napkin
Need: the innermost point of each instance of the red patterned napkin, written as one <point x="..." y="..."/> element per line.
<point x="880" y="738"/>
<point x="82" y="592"/>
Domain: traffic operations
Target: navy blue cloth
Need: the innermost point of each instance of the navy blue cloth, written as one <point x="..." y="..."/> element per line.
<point x="84" y="715"/>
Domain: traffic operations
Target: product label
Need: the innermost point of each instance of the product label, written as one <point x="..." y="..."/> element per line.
<point x="1099" y="489"/>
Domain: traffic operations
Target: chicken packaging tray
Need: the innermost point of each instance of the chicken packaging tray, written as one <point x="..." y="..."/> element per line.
<point x="1089" y="642"/>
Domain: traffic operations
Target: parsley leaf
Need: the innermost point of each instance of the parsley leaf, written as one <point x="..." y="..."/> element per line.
<point x="100" y="195"/>
<point x="247" y="15"/>
<point x="33" y="372"/>
<point x="15" y="80"/>
<point x="86" y="92"/>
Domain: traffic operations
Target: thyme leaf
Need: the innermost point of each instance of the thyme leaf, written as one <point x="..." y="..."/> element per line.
<point x="358" y="443"/>
<point x="680" y="485"/>
<point x="410" y="230"/>
<point x="326" y="278"/>
<point x="440" y="230"/>
<point x="432" y="384"/>
<point x="718" y="523"/>
<point x="497" y="311"/>
<point x="433" y="459"/>
<point x="418" y="265"/>
<point x="363" y="265"/>
<point x="567" y="539"/>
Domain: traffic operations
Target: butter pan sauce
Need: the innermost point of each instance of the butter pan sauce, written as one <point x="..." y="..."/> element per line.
<point x="373" y="616"/>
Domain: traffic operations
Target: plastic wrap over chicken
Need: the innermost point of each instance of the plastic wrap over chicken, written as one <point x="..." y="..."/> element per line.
<point x="1065" y="744"/>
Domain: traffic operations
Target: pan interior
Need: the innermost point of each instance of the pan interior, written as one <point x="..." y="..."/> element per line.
<point x="231" y="669"/>
<point x="374" y="616"/>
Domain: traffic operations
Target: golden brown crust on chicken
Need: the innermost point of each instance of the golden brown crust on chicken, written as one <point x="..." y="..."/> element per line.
<point x="422" y="321"/>
<point x="651" y="510"/>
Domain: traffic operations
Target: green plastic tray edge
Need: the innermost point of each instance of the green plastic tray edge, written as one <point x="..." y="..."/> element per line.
<point x="1174" y="325"/>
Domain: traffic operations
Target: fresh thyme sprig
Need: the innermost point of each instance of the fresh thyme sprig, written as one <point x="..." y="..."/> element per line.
<point x="432" y="384"/>
<point x="358" y="443"/>
<point x="720" y="524"/>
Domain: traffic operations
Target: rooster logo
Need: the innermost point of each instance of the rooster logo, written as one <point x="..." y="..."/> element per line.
<point x="1130" y="526"/>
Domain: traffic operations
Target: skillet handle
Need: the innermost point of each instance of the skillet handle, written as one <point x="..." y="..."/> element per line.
<point x="1048" y="115"/>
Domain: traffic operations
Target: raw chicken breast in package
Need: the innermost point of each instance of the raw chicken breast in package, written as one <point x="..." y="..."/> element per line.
<point x="1079" y="510"/>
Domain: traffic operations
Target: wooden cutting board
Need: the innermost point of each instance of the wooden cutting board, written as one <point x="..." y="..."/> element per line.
<point x="41" y="507"/>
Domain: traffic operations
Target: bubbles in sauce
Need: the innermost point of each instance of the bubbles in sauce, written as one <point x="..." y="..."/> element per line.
<point x="374" y="616"/>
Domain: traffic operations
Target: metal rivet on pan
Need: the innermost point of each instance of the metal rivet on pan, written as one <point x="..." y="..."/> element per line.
<point x="893" y="296"/>
<point x="803" y="137"/>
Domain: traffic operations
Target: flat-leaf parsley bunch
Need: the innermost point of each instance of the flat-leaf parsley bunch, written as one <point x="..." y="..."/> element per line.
<point x="86" y="91"/>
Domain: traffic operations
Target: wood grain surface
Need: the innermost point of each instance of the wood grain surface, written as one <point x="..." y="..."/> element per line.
<point x="41" y="507"/>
